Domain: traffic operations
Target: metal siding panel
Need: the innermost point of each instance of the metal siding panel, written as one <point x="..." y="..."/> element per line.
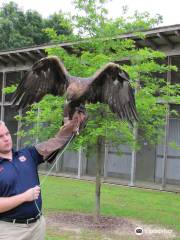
<point x="174" y="136"/>
<point x="173" y="169"/>
<point x="158" y="171"/>
<point x="119" y="164"/>
<point x="173" y="162"/>
<point x="70" y="160"/>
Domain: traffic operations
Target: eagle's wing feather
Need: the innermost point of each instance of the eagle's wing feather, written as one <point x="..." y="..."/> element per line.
<point x="47" y="75"/>
<point x="111" y="85"/>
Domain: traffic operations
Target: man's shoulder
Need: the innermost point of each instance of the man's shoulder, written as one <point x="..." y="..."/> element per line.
<point x="26" y="149"/>
<point x="31" y="150"/>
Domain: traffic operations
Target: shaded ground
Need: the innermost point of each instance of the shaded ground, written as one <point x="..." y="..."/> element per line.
<point x="81" y="226"/>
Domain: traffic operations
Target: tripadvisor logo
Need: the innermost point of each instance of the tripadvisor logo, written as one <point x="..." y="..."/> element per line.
<point x="139" y="231"/>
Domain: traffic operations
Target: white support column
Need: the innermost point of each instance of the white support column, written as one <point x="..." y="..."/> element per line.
<point x="37" y="126"/>
<point x="58" y="163"/>
<point x="133" y="162"/>
<point x="18" y="142"/>
<point x="165" y="151"/>
<point x="80" y="163"/>
<point x="134" y="153"/>
<point x="105" y="159"/>
<point x="3" y="96"/>
<point x="166" y="136"/>
<point x="85" y="161"/>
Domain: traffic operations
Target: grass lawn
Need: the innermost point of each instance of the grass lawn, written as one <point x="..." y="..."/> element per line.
<point x="148" y="206"/>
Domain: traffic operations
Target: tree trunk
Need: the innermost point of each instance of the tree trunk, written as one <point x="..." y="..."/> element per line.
<point x="99" y="160"/>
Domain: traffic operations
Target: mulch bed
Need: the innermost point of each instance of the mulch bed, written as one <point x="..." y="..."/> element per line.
<point x="87" y="221"/>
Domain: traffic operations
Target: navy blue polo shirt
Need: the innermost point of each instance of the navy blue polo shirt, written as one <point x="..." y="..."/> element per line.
<point x="16" y="177"/>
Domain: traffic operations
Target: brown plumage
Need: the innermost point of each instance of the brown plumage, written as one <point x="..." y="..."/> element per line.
<point x="109" y="85"/>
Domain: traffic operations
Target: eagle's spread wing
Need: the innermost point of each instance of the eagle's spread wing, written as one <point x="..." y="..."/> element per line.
<point x="111" y="85"/>
<point x="48" y="75"/>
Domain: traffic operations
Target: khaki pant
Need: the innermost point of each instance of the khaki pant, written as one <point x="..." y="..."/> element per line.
<point x="16" y="231"/>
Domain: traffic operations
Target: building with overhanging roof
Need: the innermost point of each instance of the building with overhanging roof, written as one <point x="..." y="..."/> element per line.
<point x="156" y="167"/>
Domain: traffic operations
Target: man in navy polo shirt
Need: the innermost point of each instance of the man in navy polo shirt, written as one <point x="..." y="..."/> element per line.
<point x="20" y="196"/>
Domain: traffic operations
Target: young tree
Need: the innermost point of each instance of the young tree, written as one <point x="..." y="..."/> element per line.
<point x="103" y="45"/>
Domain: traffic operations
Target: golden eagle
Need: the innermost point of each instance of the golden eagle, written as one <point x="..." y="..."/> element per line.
<point x="108" y="85"/>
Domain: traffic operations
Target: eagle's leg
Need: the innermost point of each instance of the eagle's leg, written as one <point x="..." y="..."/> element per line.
<point x="69" y="110"/>
<point x="81" y="108"/>
<point x="66" y="113"/>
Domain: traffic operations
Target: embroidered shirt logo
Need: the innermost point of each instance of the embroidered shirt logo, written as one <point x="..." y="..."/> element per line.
<point x="22" y="158"/>
<point x="1" y="169"/>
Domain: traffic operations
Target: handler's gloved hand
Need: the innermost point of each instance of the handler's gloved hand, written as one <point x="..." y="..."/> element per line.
<point x="79" y="119"/>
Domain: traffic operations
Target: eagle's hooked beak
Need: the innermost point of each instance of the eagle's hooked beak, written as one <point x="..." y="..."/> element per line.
<point x="69" y="98"/>
<point x="67" y="101"/>
<point x="68" y="95"/>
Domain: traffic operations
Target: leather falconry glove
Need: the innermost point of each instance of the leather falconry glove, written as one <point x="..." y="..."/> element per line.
<point x="49" y="149"/>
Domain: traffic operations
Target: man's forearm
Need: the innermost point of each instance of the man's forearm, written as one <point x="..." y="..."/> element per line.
<point x="8" y="203"/>
<point x="59" y="141"/>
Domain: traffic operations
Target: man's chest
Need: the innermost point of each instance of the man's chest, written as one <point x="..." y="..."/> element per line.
<point x="16" y="174"/>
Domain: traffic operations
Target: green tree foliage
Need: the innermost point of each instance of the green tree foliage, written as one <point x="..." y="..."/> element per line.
<point x="92" y="19"/>
<point x="42" y="120"/>
<point x="60" y="23"/>
<point x="20" y="29"/>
